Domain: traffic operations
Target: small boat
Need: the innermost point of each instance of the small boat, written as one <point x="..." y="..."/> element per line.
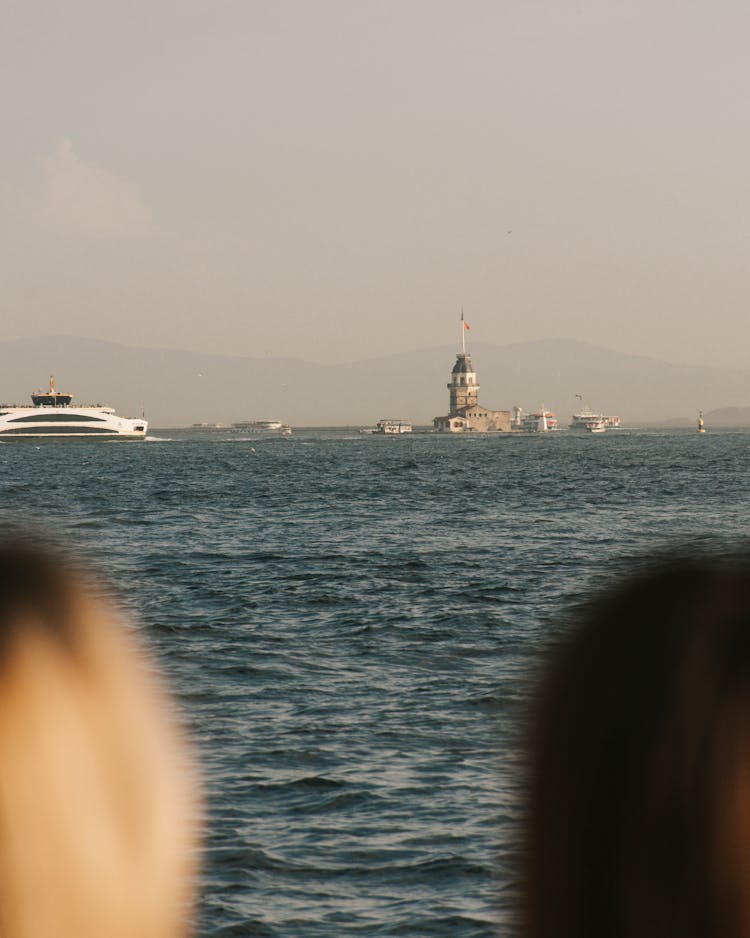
<point x="390" y="426"/>
<point x="592" y="423"/>
<point x="588" y="421"/>
<point x="53" y="415"/>
<point x="263" y="426"/>
<point x="540" y="422"/>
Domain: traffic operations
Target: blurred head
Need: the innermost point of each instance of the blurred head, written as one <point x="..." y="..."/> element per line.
<point x="639" y="805"/>
<point x="96" y="810"/>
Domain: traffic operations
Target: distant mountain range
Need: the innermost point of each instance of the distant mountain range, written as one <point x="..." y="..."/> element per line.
<point x="177" y="388"/>
<point x="724" y="417"/>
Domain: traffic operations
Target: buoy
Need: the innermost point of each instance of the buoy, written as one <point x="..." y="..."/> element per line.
<point x="701" y="428"/>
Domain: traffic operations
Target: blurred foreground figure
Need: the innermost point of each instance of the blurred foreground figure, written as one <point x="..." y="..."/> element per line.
<point x="97" y="819"/>
<point x="639" y="811"/>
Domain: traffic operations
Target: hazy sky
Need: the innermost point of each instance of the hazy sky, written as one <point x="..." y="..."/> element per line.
<point x="334" y="179"/>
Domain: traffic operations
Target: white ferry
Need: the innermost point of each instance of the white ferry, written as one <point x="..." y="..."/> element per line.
<point x="588" y="421"/>
<point x="389" y="426"/>
<point x="538" y="423"/>
<point x="262" y="426"/>
<point x="594" y="423"/>
<point x="51" y="415"/>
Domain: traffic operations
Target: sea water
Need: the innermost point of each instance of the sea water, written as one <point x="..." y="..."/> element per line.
<point x="350" y="623"/>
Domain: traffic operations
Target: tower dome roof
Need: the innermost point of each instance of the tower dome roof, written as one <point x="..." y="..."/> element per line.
<point x="463" y="364"/>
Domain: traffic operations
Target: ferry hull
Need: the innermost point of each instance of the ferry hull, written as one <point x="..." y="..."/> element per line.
<point x="72" y="437"/>
<point x="68" y="423"/>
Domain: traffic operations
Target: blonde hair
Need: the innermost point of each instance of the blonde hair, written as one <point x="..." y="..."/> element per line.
<point x="97" y="811"/>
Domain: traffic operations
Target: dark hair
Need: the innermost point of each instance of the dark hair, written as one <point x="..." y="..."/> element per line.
<point x="36" y="583"/>
<point x="638" y="818"/>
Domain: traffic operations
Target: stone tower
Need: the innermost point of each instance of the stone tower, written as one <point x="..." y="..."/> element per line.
<point x="465" y="411"/>
<point x="463" y="387"/>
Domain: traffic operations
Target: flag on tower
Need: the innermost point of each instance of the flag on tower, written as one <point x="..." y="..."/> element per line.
<point x="464" y="327"/>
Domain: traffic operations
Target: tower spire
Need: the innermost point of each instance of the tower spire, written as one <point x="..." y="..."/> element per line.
<point x="463" y="333"/>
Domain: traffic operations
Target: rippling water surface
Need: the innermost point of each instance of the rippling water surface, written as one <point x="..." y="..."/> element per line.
<point x="349" y="622"/>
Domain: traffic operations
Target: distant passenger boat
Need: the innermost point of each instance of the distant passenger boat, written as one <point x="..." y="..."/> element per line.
<point x="592" y="423"/>
<point x="390" y="426"/>
<point x="262" y="426"/>
<point x="539" y="423"/>
<point x="53" y="416"/>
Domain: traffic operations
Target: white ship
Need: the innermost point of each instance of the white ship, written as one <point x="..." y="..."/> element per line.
<point x="51" y="415"/>
<point x="540" y="422"/>
<point x="263" y="426"/>
<point x="594" y="423"/>
<point x="389" y="426"/>
<point x="588" y="421"/>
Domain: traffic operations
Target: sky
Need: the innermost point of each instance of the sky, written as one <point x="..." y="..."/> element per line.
<point x="334" y="180"/>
